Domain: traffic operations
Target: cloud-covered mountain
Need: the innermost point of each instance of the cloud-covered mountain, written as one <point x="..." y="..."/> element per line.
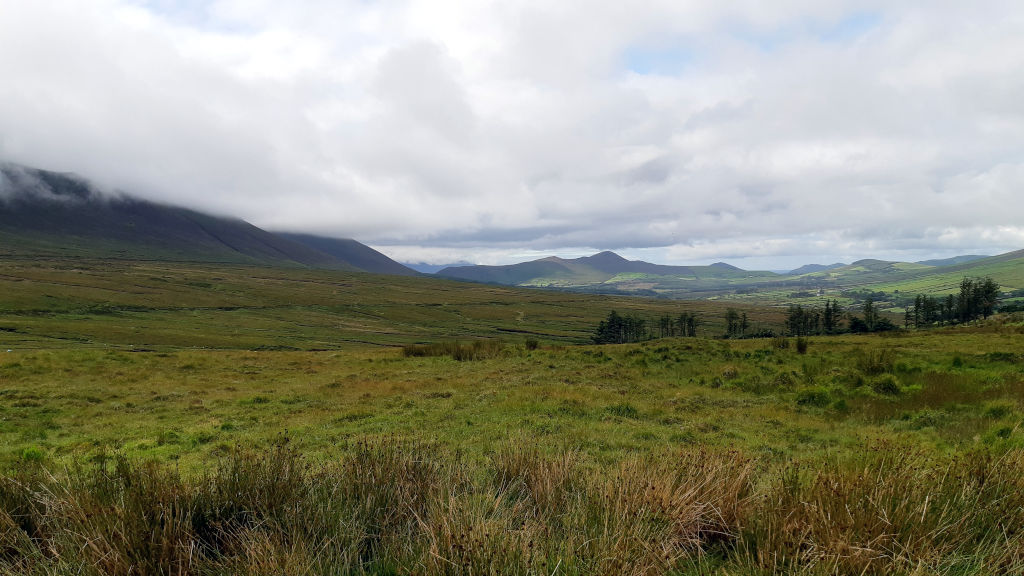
<point x="52" y="214"/>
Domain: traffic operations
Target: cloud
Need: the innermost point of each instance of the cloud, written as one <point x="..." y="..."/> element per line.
<point x="696" y="130"/>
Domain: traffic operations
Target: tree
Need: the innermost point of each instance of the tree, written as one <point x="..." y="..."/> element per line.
<point x="977" y="298"/>
<point x="732" y="323"/>
<point x="964" y="301"/>
<point x="618" y="329"/>
<point x="797" y="321"/>
<point x="988" y="296"/>
<point x="692" y="322"/>
<point x="870" y="314"/>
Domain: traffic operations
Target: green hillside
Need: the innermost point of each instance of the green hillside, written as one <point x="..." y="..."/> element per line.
<point x="88" y="303"/>
<point x="608" y="272"/>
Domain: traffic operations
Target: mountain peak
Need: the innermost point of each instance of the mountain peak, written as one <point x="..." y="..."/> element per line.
<point x="605" y="256"/>
<point x="724" y="266"/>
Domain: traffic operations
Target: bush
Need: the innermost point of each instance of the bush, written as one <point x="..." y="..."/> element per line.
<point x="875" y="362"/>
<point x="886" y="384"/>
<point x="33" y="454"/>
<point x="532" y="344"/>
<point x="801" y="345"/>
<point x="817" y="396"/>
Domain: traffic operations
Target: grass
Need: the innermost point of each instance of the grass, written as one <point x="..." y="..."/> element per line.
<point x="166" y="419"/>
<point x="396" y="507"/>
<point x="83" y="303"/>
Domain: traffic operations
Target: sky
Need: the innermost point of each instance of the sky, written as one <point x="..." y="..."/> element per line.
<point x="764" y="134"/>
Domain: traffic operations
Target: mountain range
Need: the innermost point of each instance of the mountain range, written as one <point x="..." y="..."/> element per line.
<point x="608" y="272"/>
<point x="602" y="267"/>
<point x="51" y="214"/>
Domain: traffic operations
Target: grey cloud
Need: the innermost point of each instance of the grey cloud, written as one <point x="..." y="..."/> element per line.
<point x="488" y="128"/>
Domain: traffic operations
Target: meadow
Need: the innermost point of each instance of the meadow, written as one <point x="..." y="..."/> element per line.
<point x="186" y="419"/>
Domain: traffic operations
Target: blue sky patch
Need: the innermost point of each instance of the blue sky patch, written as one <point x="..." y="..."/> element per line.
<point x="851" y="27"/>
<point x="659" y="60"/>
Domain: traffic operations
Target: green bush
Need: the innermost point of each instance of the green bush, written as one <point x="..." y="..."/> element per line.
<point x="33" y="454"/>
<point x="818" y="396"/>
<point x="886" y="384"/>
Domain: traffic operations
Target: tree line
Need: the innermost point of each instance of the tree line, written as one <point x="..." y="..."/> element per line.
<point x="802" y="321"/>
<point x="622" y="329"/>
<point x="976" y="299"/>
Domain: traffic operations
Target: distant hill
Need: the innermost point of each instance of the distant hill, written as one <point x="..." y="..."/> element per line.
<point x="607" y="272"/>
<point x="602" y="272"/>
<point x="352" y="252"/>
<point x="51" y="214"/>
<point x="425" y="268"/>
<point x="809" y="268"/>
<point x="953" y="261"/>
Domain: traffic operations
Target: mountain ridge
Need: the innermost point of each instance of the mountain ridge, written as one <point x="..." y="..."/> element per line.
<point x="53" y="214"/>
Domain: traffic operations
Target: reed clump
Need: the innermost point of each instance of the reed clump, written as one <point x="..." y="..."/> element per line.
<point x="393" y="506"/>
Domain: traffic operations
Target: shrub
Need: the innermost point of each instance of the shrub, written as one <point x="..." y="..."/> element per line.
<point x="874" y="362"/>
<point x="886" y="384"/>
<point x="801" y="345"/>
<point x="999" y="410"/>
<point x="33" y="454"/>
<point x="816" y="396"/>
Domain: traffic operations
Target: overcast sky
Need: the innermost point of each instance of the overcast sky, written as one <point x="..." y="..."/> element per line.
<point x="765" y="134"/>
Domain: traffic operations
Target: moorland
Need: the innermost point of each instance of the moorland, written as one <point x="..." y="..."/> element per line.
<point x="196" y="418"/>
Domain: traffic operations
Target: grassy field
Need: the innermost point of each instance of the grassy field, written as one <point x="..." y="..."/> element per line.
<point x="84" y="303"/>
<point x="185" y="419"/>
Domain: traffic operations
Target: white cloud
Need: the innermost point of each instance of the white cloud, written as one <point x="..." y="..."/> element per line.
<point x="766" y="131"/>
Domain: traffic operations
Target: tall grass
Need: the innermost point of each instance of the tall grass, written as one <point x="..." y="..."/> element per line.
<point x="461" y="351"/>
<point x="394" y="507"/>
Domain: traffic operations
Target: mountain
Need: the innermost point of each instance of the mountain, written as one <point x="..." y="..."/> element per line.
<point x="425" y="268"/>
<point x="809" y="268"/>
<point x="55" y="214"/>
<point x="605" y="272"/>
<point x="953" y="261"/>
<point x="351" y="252"/>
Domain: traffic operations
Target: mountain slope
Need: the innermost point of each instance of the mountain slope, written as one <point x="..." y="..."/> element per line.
<point x="810" y="268"/>
<point x="953" y="261"/>
<point x="604" y="271"/>
<point x="352" y="252"/>
<point x="52" y="214"/>
<point x="1006" y="269"/>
